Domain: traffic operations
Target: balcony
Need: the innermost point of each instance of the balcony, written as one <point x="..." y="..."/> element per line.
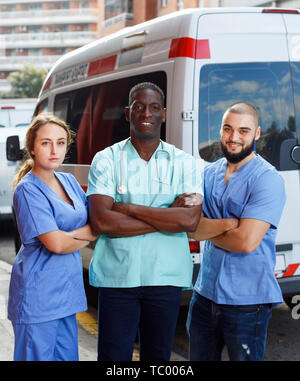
<point x="9" y="2"/>
<point x="14" y="63"/>
<point x="43" y="17"/>
<point x="47" y="40"/>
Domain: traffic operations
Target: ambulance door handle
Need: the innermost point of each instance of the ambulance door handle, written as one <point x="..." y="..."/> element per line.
<point x="188" y="115"/>
<point x="138" y="34"/>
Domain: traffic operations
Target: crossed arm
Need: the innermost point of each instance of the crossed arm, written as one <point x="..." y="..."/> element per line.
<point x="243" y="239"/>
<point x="237" y="236"/>
<point x="61" y="242"/>
<point x="124" y="220"/>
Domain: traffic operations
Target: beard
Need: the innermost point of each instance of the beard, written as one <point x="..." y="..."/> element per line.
<point x="235" y="158"/>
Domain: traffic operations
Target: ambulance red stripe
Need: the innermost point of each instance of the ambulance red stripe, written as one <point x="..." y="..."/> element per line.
<point x="180" y="47"/>
<point x="189" y="47"/>
<point x="47" y="84"/>
<point x="291" y="269"/>
<point x="102" y="66"/>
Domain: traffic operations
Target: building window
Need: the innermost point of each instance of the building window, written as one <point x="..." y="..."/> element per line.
<point x="114" y="8"/>
<point x="84" y="4"/>
<point x="36" y="6"/>
<point x="163" y="3"/>
<point x="180" y="4"/>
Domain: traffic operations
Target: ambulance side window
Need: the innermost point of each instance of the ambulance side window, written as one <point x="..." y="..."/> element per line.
<point x="295" y="69"/>
<point x="96" y="114"/>
<point x="267" y="86"/>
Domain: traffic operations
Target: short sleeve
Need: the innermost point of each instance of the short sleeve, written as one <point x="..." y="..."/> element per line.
<point x="33" y="212"/>
<point x="267" y="199"/>
<point x="101" y="175"/>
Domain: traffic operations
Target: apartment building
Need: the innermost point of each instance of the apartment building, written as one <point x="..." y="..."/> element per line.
<point x="39" y="31"/>
<point x="117" y="14"/>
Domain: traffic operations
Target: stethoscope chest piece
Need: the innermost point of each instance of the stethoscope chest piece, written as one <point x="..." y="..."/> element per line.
<point x="122" y="189"/>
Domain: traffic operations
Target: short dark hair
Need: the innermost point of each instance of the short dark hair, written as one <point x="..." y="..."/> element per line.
<point x="244" y="108"/>
<point x="144" y="86"/>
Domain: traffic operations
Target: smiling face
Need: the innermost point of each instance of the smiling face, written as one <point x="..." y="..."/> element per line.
<point x="50" y="147"/>
<point x="145" y="114"/>
<point x="238" y="134"/>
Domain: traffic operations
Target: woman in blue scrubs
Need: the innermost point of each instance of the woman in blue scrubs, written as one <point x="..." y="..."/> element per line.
<point x="46" y="288"/>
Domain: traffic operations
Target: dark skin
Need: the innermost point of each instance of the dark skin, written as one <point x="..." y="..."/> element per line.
<point x="145" y="115"/>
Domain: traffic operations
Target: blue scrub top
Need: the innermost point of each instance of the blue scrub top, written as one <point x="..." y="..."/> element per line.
<point x="155" y="259"/>
<point x="44" y="285"/>
<point x="256" y="191"/>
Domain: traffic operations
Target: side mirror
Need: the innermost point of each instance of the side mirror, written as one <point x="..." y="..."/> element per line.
<point x="13" y="151"/>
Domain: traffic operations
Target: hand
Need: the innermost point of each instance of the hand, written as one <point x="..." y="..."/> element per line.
<point x="187" y="200"/>
<point x="85" y="233"/>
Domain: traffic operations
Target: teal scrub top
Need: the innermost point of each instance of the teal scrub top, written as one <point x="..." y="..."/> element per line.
<point x="154" y="259"/>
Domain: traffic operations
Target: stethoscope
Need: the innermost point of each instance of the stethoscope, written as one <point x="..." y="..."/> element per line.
<point x="122" y="188"/>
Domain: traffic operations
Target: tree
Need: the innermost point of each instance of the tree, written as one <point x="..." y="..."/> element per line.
<point x="27" y="82"/>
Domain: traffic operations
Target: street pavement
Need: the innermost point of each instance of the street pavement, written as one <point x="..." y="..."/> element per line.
<point x="282" y="343"/>
<point x="87" y="327"/>
<point x="87" y="340"/>
<point x="6" y="331"/>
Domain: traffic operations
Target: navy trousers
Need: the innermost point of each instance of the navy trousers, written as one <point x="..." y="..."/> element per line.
<point x="242" y="329"/>
<point x="150" y="312"/>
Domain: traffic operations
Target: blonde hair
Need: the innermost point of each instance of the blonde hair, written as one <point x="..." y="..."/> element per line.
<point x="38" y="122"/>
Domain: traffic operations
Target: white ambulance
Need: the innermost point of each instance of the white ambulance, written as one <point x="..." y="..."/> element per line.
<point x="204" y="60"/>
<point x="15" y="116"/>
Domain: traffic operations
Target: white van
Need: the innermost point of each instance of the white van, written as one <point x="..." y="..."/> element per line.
<point x="15" y="117"/>
<point x="204" y="60"/>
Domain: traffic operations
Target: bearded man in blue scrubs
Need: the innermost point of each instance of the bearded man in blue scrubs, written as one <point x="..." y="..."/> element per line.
<point x="236" y="286"/>
<point x="142" y="260"/>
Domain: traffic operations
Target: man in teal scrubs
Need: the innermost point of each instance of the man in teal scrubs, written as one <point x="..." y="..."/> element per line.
<point x="141" y="261"/>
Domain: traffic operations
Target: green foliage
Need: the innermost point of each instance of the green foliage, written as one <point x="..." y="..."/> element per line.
<point x="27" y="82"/>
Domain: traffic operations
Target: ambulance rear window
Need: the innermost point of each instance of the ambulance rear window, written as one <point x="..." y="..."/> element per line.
<point x="267" y="86"/>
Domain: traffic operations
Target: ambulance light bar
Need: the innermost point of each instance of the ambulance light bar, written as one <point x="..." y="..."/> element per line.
<point x="270" y="10"/>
